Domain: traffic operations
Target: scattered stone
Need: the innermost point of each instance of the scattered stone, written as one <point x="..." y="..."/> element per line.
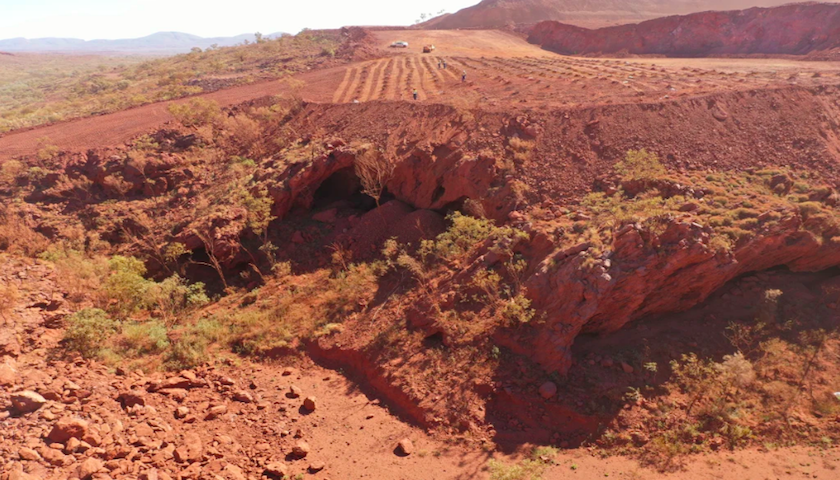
<point x="316" y="467"/>
<point x="639" y="438"/>
<point x="277" y="469"/>
<point x="190" y="450"/>
<point x="405" y="447"/>
<point x="55" y="457"/>
<point x="8" y="375"/>
<point x="294" y="392"/>
<point x="67" y="428"/>
<point x="175" y="382"/>
<point x="132" y="398"/>
<point x="17" y="473"/>
<point x="216" y="411"/>
<point x="92" y="438"/>
<point x="301" y="449"/>
<point x="89" y="467"/>
<point x="289" y="371"/>
<point x="150" y="475"/>
<point x="234" y="472"/>
<point x="309" y="403"/>
<point x="29" y="454"/>
<point x="182" y="412"/>
<point x="243" y="396"/>
<point x="72" y="445"/>
<point x="548" y="390"/>
<point x="177" y="394"/>
<point x="27" y="401"/>
<point x="9" y="344"/>
<point x="627" y="368"/>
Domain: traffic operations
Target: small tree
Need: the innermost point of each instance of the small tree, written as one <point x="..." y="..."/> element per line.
<point x="206" y="237"/>
<point x="88" y="331"/>
<point x="374" y="170"/>
<point x="9" y="296"/>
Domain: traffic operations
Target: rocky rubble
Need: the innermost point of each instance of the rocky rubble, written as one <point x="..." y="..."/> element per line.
<point x="78" y="420"/>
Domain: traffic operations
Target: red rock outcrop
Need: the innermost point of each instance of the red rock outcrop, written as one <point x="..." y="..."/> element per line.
<point x="585" y="13"/>
<point x="646" y="274"/>
<point x="796" y="29"/>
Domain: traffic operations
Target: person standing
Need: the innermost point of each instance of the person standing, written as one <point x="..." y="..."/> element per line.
<point x="464" y="76"/>
<point x="444" y="64"/>
<point x="415" y="94"/>
<point x="438" y="64"/>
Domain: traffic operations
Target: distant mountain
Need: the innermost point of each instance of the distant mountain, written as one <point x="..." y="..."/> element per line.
<point x="583" y="13"/>
<point x="157" y="43"/>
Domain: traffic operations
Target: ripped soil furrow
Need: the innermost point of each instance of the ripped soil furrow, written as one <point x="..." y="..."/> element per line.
<point x="399" y="82"/>
<point x="447" y="72"/>
<point x="408" y="84"/>
<point x="391" y="77"/>
<point x="422" y="90"/>
<point x="376" y="86"/>
<point x="372" y="70"/>
<point x="341" y="91"/>
<point x="437" y="80"/>
<point x="364" y="77"/>
<point x="351" y="86"/>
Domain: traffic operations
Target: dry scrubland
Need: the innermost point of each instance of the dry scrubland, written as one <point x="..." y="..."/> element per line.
<point x="43" y="89"/>
<point x="420" y="246"/>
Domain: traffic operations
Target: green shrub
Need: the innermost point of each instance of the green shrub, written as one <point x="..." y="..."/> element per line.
<point x="196" y="112"/>
<point x="640" y="165"/>
<point x="144" y="338"/>
<point x="174" y="296"/>
<point x="88" y="331"/>
<point x="464" y="233"/>
<point x="190" y="350"/>
<point x="125" y="286"/>
<point x="518" y="310"/>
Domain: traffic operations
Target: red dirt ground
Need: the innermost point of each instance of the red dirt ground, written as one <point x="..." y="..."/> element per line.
<point x="591" y="107"/>
<point x="503" y="71"/>
<point x="351" y="433"/>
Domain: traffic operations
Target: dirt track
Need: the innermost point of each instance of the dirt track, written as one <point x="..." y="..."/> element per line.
<point x="502" y="71"/>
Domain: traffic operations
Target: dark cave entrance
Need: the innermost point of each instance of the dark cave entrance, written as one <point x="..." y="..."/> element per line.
<point x="345" y="186"/>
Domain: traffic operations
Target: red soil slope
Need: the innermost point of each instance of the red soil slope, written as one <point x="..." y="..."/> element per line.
<point x="583" y="13"/>
<point x="791" y="29"/>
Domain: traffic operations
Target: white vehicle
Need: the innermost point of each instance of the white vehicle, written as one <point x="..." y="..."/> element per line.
<point x="399" y="45"/>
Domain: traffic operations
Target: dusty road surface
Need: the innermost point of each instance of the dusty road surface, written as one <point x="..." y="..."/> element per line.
<point x="472" y="43"/>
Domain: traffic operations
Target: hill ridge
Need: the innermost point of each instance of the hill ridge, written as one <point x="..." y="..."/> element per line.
<point x="158" y="42"/>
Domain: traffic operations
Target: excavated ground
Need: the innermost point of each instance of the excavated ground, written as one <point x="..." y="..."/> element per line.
<point x="582" y="116"/>
<point x="504" y="73"/>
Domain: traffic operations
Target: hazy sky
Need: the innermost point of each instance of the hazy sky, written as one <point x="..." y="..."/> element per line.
<point x="91" y="19"/>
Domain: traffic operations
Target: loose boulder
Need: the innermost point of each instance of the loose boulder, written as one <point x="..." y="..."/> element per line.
<point x="27" y="401"/>
<point x="67" y="428"/>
